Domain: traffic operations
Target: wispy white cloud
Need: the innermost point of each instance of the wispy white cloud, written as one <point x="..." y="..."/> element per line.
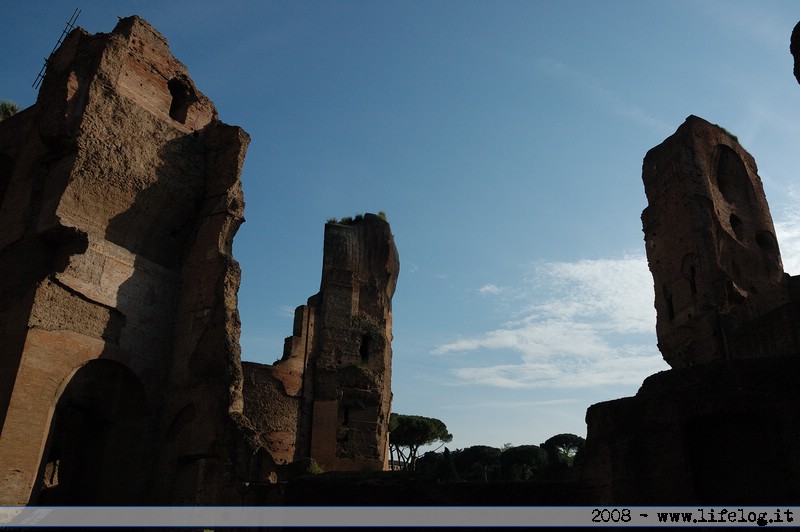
<point x="490" y="289"/>
<point x="787" y="227"/>
<point x="597" y="90"/>
<point x="508" y="405"/>
<point x="286" y="311"/>
<point x="612" y="294"/>
<point x="589" y="323"/>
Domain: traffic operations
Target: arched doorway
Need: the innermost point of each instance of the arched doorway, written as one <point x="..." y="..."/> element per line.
<point x="96" y="452"/>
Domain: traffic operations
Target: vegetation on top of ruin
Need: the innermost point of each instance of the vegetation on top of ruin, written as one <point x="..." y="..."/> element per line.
<point x="7" y="109"/>
<point x="734" y="137"/>
<point x="350" y="220"/>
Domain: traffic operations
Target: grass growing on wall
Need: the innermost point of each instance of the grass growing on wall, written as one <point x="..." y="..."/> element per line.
<point x="350" y="220"/>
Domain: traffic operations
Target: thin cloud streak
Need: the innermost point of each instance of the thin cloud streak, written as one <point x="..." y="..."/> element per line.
<point x="591" y="323"/>
<point x="596" y="89"/>
<point x="506" y="405"/>
<point x="286" y="311"/>
<point x="787" y="228"/>
<point x="742" y="18"/>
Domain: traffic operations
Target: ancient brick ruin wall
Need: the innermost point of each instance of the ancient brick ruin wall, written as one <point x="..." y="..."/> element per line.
<point x="711" y="246"/>
<point x="274" y="409"/>
<point x="353" y="351"/>
<point x="728" y="324"/>
<point x="697" y="435"/>
<point x="120" y="198"/>
<point x="336" y="366"/>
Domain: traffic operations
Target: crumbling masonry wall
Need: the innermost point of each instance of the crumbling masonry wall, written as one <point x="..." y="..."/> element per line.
<point x="721" y="427"/>
<point x="332" y="387"/>
<point x="720" y="289"/>
<point x="728" y="322"/>
<point x="120" y="380"/>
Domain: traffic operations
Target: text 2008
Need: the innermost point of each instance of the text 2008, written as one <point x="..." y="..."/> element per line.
<point x="614" y="515"/>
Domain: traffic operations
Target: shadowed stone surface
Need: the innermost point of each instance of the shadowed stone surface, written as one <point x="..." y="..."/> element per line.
<point x="722" y="426"/>
<point x="712" y="250"/>
<point x="120" y="375"/>
<point x="721" y="433"/>
<point x="120" y="380"/>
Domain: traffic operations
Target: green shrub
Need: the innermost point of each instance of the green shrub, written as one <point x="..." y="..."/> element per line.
<point x="348" y="220"/>
<point x="314" y="468"/>
<point x="7" y="109"/>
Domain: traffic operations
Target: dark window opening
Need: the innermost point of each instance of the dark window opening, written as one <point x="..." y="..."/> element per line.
<point x="738" y="226"/>
<point x="689" y="271"/>
<point x="6" y="169"/>
<point x="364" y="349"/>
<point x="668" y="299"/>
<point x="183" y="97"/>
<point x="346" y="416"/>
<point x="732" y="178"/>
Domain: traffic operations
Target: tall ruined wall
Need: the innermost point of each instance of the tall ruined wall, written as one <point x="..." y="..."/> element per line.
<point x="728" y="324"/>
<point x="120" y="198"/>
<point x="336" y="366"/>
<point x="711" y="247"/>
<point x="353" y="346"/>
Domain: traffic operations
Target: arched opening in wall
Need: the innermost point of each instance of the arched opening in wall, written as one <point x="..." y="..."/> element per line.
<point x="364" y="349"/>
<point x="96" y="452"/>
<point x="183" y="96"/>
<point x="732" y="178"/>
<point x="738" y="227"/>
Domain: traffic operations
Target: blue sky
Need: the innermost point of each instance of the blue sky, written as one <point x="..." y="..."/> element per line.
<point x="503" y="139"/>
